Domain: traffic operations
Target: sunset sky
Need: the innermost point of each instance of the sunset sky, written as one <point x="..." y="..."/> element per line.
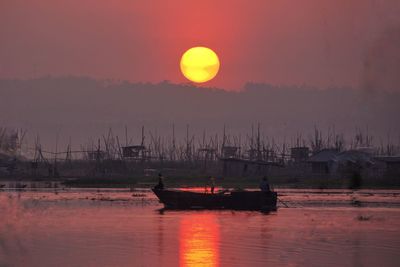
<point x="316" y="42"/>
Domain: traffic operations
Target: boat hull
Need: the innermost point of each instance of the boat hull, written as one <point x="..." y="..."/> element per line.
<point x="236" y="200"/>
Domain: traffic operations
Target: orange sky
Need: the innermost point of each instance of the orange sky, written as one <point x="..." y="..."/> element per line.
<point x="316" y="42"/>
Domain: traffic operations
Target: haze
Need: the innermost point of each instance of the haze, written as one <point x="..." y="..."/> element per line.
<point x="76" y="68"/>
<point x="353" y="43"/>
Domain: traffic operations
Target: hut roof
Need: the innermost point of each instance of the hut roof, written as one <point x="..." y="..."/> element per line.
<point x="354" y="156"/>
<point x="325" y="155"/>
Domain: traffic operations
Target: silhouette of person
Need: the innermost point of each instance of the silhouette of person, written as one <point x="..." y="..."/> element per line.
<point x="212" y="184"/>
<point x="160" y="185"/>
<point x="264" y="185"/>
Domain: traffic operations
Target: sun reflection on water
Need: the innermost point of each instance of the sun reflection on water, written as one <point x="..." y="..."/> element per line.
<point x="199" y="239"/>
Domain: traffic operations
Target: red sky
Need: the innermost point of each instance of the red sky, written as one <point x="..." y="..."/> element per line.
<point x="315" y="42"/>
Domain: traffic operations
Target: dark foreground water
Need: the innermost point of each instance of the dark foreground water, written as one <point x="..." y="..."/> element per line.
<point x="123" y="228"/>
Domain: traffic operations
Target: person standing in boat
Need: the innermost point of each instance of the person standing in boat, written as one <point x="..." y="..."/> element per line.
<point x="160" y="185"/>
<point x="212" y="184"/>
<point x="264" y="185"/>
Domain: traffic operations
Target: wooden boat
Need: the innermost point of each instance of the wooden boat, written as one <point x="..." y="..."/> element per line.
<point x="234" y="200"/>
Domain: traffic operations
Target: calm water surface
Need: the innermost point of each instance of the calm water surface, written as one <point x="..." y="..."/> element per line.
<point x="44" y="227"/>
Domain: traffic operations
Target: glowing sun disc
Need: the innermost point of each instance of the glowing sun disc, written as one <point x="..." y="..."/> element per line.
<point x="199" y="64"/>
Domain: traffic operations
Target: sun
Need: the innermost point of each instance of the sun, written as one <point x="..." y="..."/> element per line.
<point x="199" y="64"/>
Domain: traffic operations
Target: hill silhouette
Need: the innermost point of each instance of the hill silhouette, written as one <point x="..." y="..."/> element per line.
<point x="81" y="107"/>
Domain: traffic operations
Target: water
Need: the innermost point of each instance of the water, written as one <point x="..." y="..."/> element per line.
<point x="91" y="227"/>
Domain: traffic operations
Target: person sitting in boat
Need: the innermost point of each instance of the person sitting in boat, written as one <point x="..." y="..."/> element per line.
<point x="264" y="185"/>
<point x="160" y="185"/>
